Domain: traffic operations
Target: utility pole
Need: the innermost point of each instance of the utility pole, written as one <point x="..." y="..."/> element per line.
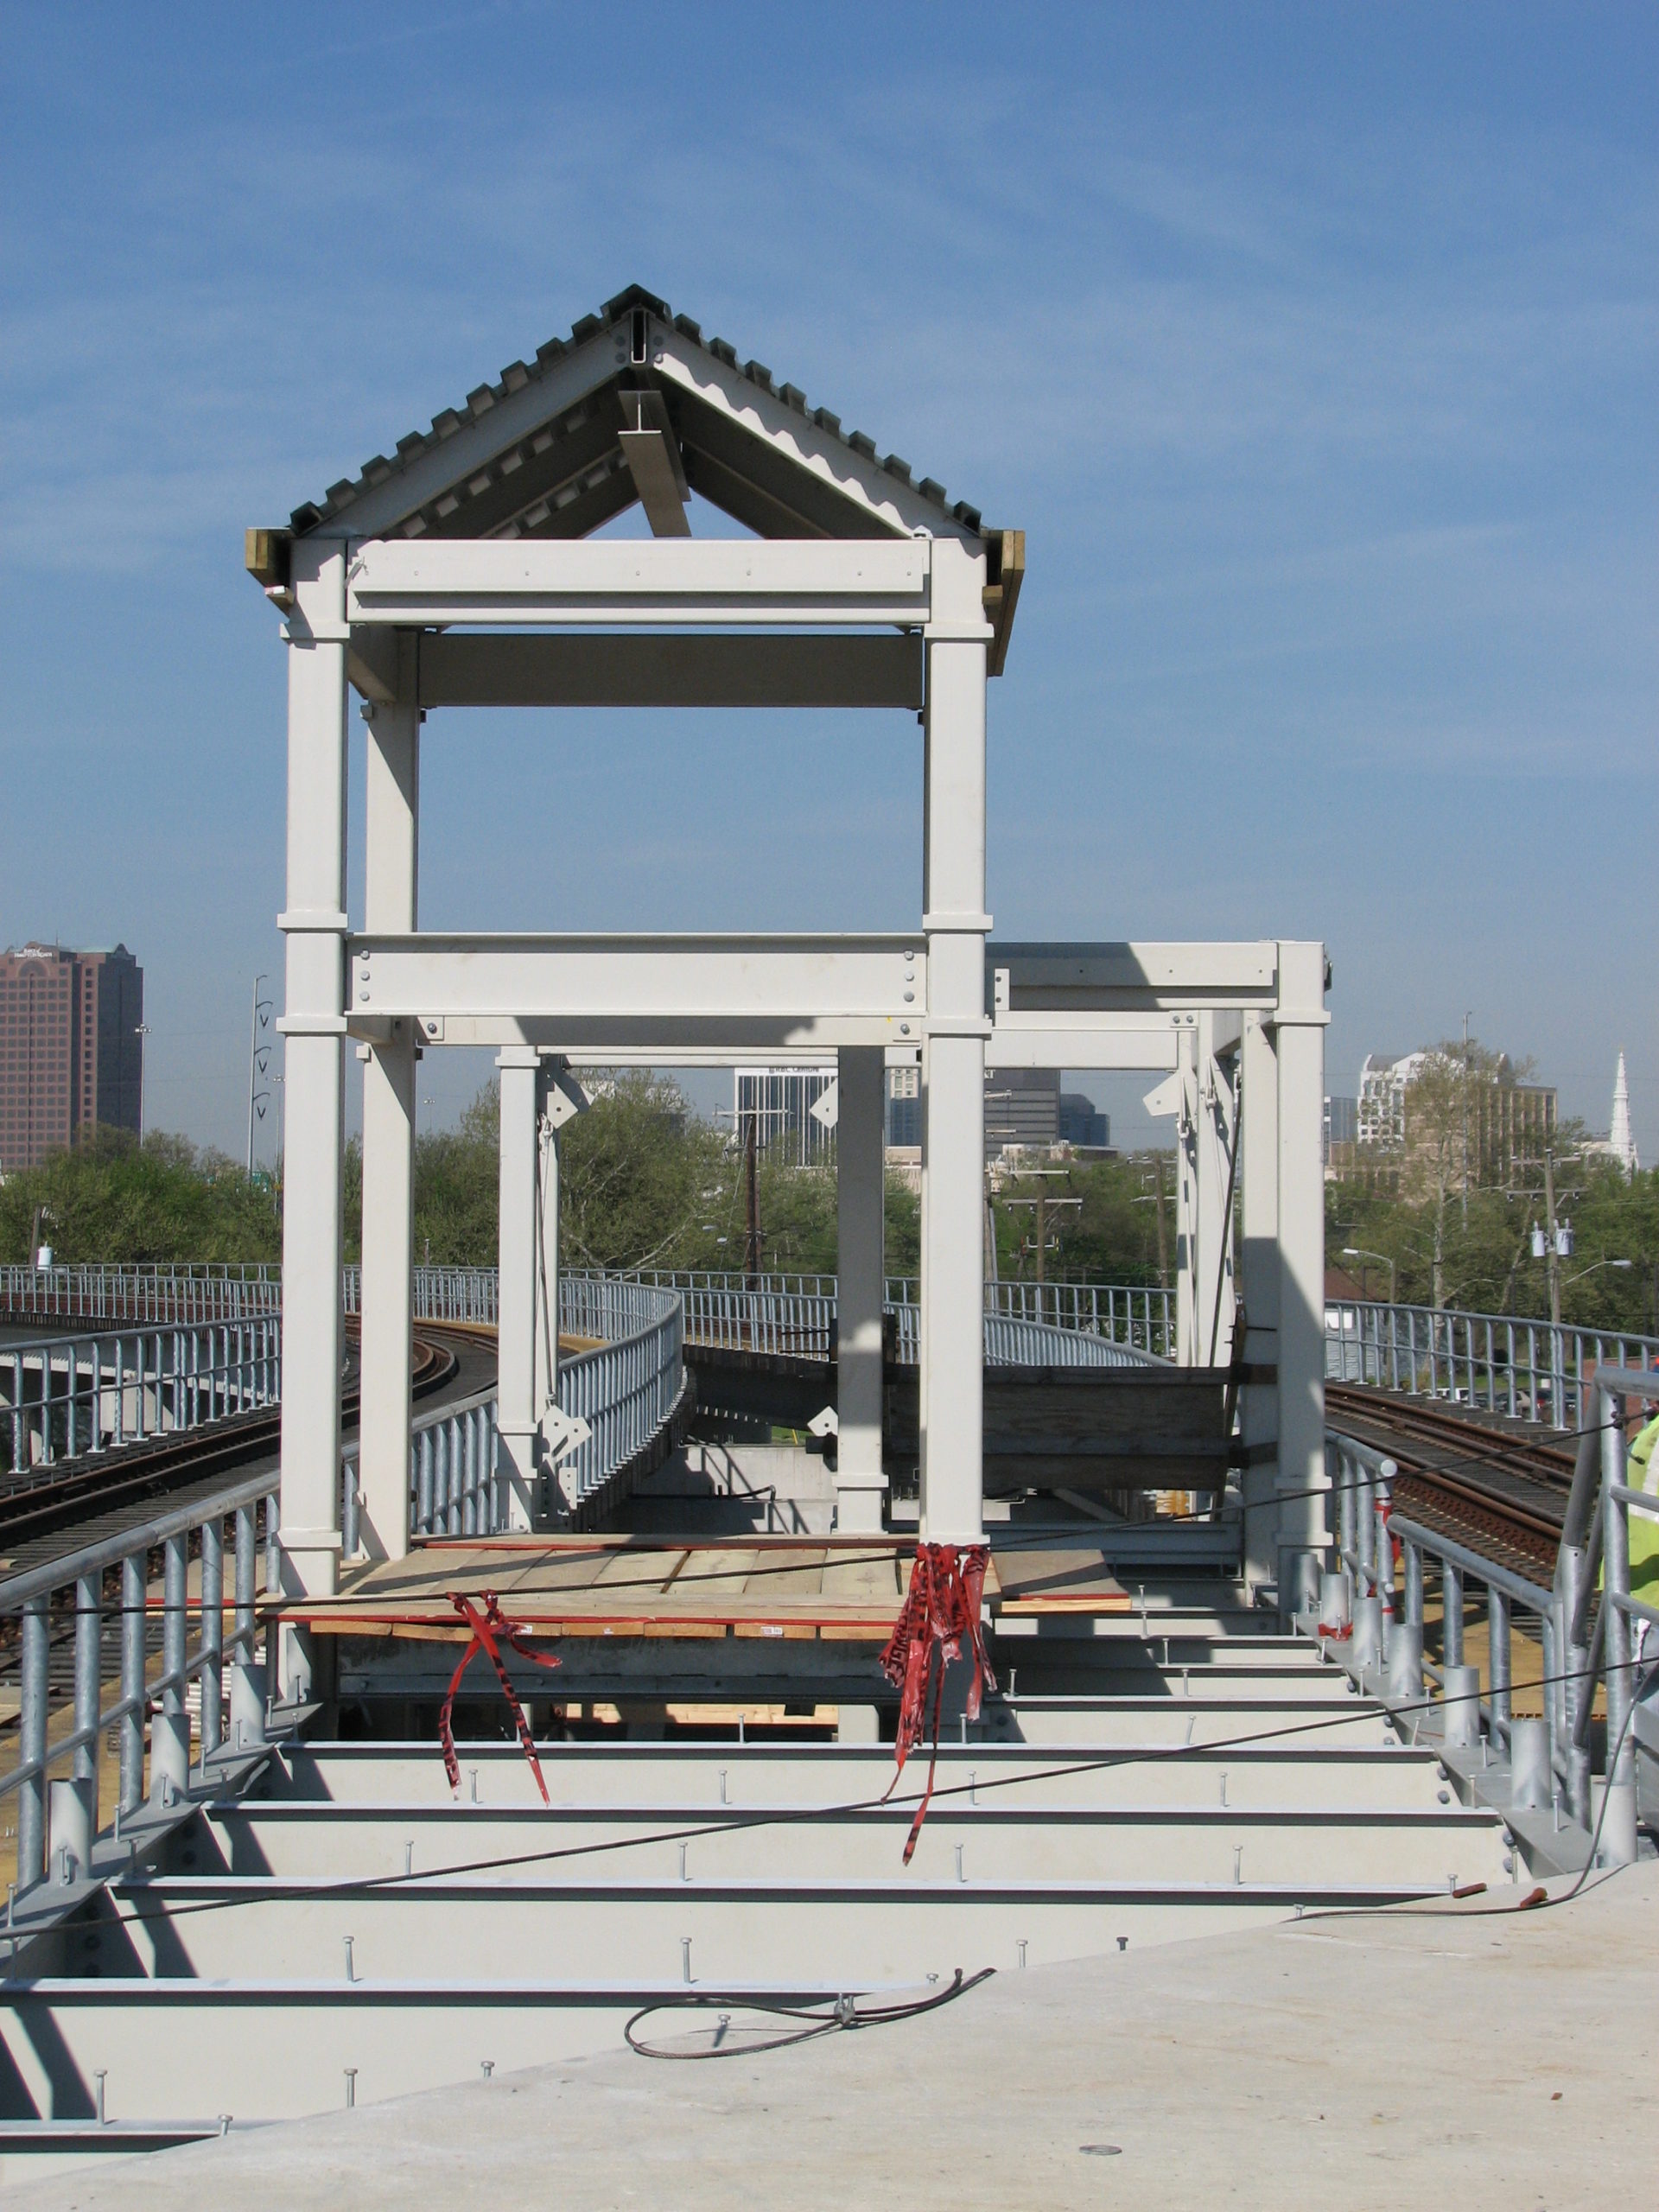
<point x="1163" y="1226"/>
<point x="1039" y="1205"/>
<point x="752" y="1203"/>
<point x="1552" y="1257"/>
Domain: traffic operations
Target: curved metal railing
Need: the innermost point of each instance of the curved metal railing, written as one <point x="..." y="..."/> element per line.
<point x="74" y="1396"/>
<point x="1530" y="1370"/>
<point x="204" y="1290"/>
<point x="625" y="1386"/>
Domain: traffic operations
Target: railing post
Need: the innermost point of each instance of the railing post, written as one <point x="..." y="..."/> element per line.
<point x="213" y="1636"/>
<point x="1451" y="1614"/>
<point x="31" y="1796"/>
<point x="1497" y="1617"/>
<point x="1414" y="1584"/>
<point x="169" y="1761"/>
<point x="1619" y="1812"/>
<point x="1386" y="1475"/>
<point x="247" y="1580"/>
<point x="131" y="1733"/>
<point x="89" y="1660"/>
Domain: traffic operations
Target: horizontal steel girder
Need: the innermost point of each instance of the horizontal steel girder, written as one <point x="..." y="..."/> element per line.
<point x="1082" y="1005"/>
<point x="790" y="583"/>
<point x="787" y="989"/>
<point x="406" y="1782"/>
<point x="470" y="667"/>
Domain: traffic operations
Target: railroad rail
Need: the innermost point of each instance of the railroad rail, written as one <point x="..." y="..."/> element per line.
<point x="104" y="1485"/>
<point x="1497" y="1488"/>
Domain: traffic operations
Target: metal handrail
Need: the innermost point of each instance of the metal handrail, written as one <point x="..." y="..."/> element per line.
<point x="626" y="1388"/>
<point x="1502" y="1362"/>
<point x="73" y="1397"/>
<point x="88" y="1291"/>
<point x="28" y="1598"/>
<point x="1579" y="1653"/>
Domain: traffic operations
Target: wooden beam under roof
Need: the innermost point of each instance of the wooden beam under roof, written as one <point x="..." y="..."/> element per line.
<point x="1005" y="571"/>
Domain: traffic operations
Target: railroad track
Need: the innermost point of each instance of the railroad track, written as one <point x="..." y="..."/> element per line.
<point x="1501" y="1487"/>
<point x="101" y="1486"/>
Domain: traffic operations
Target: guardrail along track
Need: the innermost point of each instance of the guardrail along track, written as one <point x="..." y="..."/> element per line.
<point x="1484" y="1484"/>
<point x="100" y="1485"/>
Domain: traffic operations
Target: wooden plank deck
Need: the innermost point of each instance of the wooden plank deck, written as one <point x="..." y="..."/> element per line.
<point x="841" y="1589"/>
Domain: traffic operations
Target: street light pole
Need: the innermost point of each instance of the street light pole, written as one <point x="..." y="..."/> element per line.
<point x="256" y="1066"/>
<point x="1359" y="1252"/>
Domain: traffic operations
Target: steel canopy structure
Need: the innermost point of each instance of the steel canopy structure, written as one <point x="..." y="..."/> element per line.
<point x="461" y="572"/>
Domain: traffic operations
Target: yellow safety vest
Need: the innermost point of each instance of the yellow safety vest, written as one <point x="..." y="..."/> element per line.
<point x="1642" y="1473"/>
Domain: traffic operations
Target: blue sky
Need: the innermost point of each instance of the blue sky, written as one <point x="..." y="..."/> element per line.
<point x="1313" y="347"/>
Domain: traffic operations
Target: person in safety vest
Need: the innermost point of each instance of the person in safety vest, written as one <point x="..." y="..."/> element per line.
<point x="1642" y="1473"/>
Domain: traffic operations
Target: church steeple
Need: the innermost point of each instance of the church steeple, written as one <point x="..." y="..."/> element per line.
<point x="1620" y="1142"/>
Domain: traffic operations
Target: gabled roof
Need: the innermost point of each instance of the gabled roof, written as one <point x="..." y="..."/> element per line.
<point x="538" y="453"/>
<point x="636" y="403"/>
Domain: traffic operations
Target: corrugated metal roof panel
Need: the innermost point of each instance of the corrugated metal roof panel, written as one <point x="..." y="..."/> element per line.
<point x="433" y="503"/>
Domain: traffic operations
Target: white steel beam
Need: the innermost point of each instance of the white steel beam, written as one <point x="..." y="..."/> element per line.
<point x="1215" y="1187"/>
<point x="547" y="1262"/>
<point x="654" y="463"/>
<point x="518" y="668"/>
<point x="1061" y="1040"/>
<point x="953" y="1070"/>
<point x="1131" y="978"/>
<point x="683" y="984"/>
<point x="788" y="582"/>
<point x="1186" y="1196"/>
<point x="391" y="836"/>
<point x="313" y="1026"/>
<point x="1299" y="1034"/>
<point x="518" y="1413"/>
<point x="1258" y="1413"/>
<point x="861" y="1483"/>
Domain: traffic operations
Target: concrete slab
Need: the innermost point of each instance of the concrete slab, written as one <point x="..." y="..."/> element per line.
<point x="1462" y="2053"/>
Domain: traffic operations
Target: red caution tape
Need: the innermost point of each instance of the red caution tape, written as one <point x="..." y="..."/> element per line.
<point x="940" y="1616"/>
<point x="490" y="1630"/>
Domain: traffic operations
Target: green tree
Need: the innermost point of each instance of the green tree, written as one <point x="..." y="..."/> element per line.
<point x="1100" y="1221"/>
<point x="165" y="1200"/>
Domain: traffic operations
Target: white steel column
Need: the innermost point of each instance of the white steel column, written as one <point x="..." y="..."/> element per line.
<point x="313" y="1027"/>
<point x="861" y="1483"/>
<point x="518" y="1410"/>
<point x="389" y="904"/>
<point x="1300" y="1038"/>
<point x="1213" y="1151"/>
<point x="1186" y="1196"/>
<point x="953" y="1110"/>
<point x="546" y="1258"/>
<point x="1259" y="1280"/>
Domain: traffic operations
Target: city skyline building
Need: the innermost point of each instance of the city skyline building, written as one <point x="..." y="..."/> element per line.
<point x="1508" y="1124"/>
<point x="71" y="1047"/>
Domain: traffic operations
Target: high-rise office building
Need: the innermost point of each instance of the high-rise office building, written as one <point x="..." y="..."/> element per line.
<point x="1082" y="1126"/>
<point x="71" y="1054"/>
<point x="1022" y="1109"/>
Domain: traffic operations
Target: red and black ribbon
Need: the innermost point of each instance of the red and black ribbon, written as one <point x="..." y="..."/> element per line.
<point x="490" y="1630"/>
<point x="940" y="1619"/>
